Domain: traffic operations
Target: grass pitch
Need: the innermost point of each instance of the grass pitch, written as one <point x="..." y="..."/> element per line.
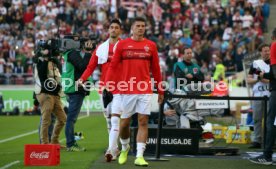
<point x="93" y="127"/>
<point x="16" y="131"/>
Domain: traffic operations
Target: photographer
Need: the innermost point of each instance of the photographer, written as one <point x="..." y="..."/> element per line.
<point x="48" y="90"/>
<point x="75" y="63"/>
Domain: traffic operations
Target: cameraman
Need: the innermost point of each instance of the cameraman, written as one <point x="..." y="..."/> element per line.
<point x="75" y="63"/>
<point x="48" y="90"/>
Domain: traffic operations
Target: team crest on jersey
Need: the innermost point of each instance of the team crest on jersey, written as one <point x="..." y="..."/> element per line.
<point x="129" y="53"/>
<point x="146" y="48"/>
<point x="195" y="70"/>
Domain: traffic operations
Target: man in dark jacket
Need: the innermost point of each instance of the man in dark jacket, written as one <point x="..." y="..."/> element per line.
<point x="48" y="91"/>
<point x="75" y="63"/>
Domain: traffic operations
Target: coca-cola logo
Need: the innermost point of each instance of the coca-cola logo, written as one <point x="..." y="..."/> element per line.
<point x="40" y="155"/>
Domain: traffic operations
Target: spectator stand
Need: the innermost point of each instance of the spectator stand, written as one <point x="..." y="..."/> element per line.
<point x="229" y="29"/>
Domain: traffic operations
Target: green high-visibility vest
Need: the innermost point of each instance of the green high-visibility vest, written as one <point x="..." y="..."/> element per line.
<point x="68" y="75"/>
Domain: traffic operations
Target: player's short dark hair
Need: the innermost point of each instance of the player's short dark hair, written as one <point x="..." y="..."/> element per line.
<point x="261" y="46"/>
<point x="116" y="21"/>
<point x="139" y="19"/>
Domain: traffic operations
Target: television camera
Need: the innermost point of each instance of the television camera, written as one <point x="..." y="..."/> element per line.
<point x="60" y="45"/>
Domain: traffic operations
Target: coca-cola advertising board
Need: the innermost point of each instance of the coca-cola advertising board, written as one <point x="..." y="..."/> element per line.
<point x="42" y="155"/>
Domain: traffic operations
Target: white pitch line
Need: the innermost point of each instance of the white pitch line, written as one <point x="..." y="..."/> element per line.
<point x="82" y="117"/>
<point x="18" y="136"/>
<point x="26" y="134"/>
<point x="10" y="164"/>
<point x="22" y="135"/>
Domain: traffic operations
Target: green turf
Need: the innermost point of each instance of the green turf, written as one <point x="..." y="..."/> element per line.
<point x="93" y="127"/>
<point x="184" y="163"/>
<point x="15" y="125"/>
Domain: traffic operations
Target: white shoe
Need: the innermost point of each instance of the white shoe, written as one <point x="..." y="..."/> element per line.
<point x="115" y="154"/>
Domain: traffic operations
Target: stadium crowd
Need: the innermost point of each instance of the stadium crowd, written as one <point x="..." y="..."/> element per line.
<point x="217" y="30"/>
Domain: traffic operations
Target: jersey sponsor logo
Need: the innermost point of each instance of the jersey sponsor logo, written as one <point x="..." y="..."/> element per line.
<point x="140" y="54"/>
<point x="136" y="54"/>
<point x="136" y="57"/>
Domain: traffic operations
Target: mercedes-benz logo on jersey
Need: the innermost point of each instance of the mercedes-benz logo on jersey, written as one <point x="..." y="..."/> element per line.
<point x="146" y="48"/>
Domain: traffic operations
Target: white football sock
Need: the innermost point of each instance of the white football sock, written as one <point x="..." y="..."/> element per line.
<point x="114" y="133"/>
<point x="140" y="149"/>
<point x="125" y="144"/>
<point x="108" y="123"/>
